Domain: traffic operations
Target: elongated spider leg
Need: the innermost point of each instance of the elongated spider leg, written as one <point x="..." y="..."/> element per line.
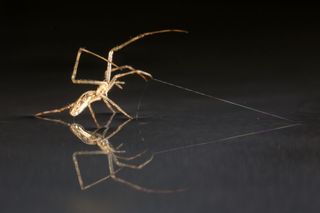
<point x="119" y="84"/>
<point x="98" y="181"/>
<point x="75" y="68"/>
<point x="54" y="120"/>
<point x="79" y="176"/>
<point x="107" y="126"/>
<point x="117" y="107"/>
<point x="131" y="166"/>
<point x="76" y="164"/>
<point x="93" y="116"/>
<point x="119" y="146"/>
<point x="123" y="67"/>
<point x="118" y="151"/>
<point x="140" y="188"/>
<point x="142" y="74"/>
<point x="120" y="127"/>
<point x="117" y="48"/>
<point x="55" y="110"/>
<point x="133" y="185"/>
<point x="120" y="180"/>
<point x="131" y="157"/>
<point x="109" y="106"/>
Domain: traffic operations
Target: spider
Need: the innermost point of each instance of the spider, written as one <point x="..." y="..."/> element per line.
<point x="114" y="154"/>
<point x="104" y="86"/>
<point x="106" y="148"/>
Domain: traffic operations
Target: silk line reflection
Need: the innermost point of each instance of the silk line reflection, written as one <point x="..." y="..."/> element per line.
<point x="115" y="155"/>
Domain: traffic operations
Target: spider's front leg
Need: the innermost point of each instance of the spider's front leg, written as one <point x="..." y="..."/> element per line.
<point x="142" y="74"/>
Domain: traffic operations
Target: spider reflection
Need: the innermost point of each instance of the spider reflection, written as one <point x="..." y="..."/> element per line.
<point x="115" y="155"/>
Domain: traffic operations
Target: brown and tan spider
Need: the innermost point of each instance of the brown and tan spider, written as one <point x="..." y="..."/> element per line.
<point x="104" y="86"/>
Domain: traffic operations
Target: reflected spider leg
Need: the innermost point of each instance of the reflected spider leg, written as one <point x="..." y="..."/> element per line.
<point x="107" y="126"/>
<point x="140" y="36"/>
<point x="55" y="121"/>
<point x="120" y="180"/>
<point x="77" y="167"/>
<point x="131" y="157"/>
<point x="131" y="166"/>
<point x="118" y="129"/>
<point x="112" y="174"/>
<point x="119" y="146"/>
<point x="133" y="185"/>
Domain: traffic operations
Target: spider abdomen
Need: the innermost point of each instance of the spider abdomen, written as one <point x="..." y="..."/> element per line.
<point x="83" y="101"/>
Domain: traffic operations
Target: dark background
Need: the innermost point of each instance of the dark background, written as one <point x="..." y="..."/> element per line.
<point x="238" y="37"/>
<point x="262" y="55"/>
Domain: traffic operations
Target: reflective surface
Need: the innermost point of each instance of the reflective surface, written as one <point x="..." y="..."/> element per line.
<point x="225" y="156"/>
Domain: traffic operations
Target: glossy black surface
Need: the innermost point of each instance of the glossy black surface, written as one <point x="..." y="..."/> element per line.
<point x="228" y="158"/>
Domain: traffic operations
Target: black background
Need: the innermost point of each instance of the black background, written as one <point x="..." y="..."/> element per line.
<point x="242" y="36"/>
<point x="263" y="55"/>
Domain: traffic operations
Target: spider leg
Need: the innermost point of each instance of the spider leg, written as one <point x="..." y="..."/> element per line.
<point x="75" y="68"/>
<point x="107" y="126"/>
<point x="122" y="68"/>
<point x="119" y="146"/>
<point x="131" y="166"/>
<point x="106" y="99"/>
<point x="120" y="180"/>
<point x="112" y="175"/>
<point x="119" y="47"/>
<point x="142" y="74"/>
<point x="76" y="164"/>
<point x="131" y="157"/>
<point x="93" y="116"/>
<point x="109" y="106"/>
<point x="79" y="176"/>
<point x="140" y="188"/>
<point x="118" y="129"/>
<point x="54" y="110"/>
